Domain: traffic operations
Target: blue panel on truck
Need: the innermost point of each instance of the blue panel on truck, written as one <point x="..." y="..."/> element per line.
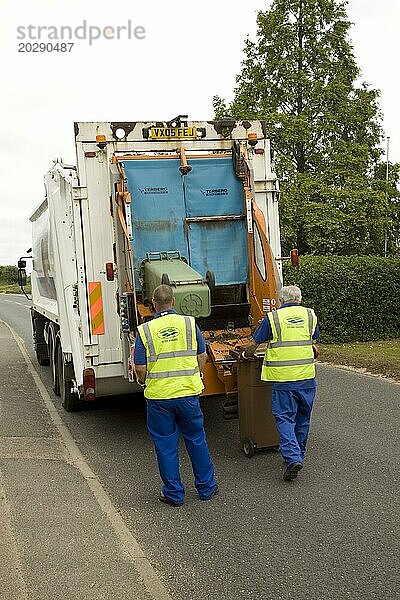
<point x="220" y="248"/>
<point x="157" y="206"/>
<point x="211" y="189"/>
<point x="161" y="199"/>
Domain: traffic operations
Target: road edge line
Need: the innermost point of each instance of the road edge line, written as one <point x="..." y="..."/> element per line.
<point x="143" y="566"/>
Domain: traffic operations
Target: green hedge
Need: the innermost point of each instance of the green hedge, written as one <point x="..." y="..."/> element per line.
<point x="9" y="281"/>
<point x="8" y="274"/>
<point x="356" y="298"/>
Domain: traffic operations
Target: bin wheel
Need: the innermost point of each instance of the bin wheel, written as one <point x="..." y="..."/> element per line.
<point x="248" y="447"/>
<point x="210" y="280"/>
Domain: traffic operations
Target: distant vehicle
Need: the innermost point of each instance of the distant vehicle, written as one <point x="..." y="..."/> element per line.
<point x="192" y="204"/>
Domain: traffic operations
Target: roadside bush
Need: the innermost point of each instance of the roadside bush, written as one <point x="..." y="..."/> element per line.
<point x="356" y="298"/>
<point x="8" y="274"/>
<point x="9" y="281"/>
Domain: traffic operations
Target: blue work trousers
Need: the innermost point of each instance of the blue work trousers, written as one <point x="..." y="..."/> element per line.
<point x="166" y="419"/>
<point x="292" y="412"/>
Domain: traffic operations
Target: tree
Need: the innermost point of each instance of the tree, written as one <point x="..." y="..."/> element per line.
<point x="300" y="77"/>
<point x="387" y="180"/>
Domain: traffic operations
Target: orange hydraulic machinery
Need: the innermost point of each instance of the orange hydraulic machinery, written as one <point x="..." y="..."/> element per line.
<point x="220" y="375"/>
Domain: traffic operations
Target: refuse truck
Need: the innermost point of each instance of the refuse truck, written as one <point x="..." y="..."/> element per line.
<point x="193" y="204"/>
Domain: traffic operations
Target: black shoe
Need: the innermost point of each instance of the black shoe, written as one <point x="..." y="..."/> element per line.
<point x="292" y="471"/>
<point x="213" y="493"/>
<point x="166" y="500"/>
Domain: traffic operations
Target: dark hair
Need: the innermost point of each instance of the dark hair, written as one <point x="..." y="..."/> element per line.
<point x="163" y="296"/>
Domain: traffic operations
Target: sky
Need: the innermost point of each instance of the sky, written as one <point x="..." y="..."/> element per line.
<point x="187" y="53"/>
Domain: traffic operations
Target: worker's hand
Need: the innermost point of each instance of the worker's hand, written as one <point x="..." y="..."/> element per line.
<point x="139" y="382"/>
<point x="315" y="351"/>
<point x="244" y="357"/>
<point x="140" y="372"/>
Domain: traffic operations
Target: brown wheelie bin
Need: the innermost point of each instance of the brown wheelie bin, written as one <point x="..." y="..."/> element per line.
<point x="256" y="422"/>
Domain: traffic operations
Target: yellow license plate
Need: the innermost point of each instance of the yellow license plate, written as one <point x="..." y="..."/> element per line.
<point x="168" y="133"/>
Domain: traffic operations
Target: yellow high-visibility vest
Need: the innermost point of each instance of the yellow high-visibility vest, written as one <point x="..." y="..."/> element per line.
<point x="171" y="352"/>
<point x="289" y="355"/>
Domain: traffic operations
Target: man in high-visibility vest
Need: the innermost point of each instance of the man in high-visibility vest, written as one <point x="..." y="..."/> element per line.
<point x="289" y="363"/>
<point x="169" y="357"/>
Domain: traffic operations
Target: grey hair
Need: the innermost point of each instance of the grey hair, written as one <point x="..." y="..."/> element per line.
<point x="290" y="293"/>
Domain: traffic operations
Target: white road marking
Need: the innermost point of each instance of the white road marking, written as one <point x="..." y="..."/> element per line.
<point x="143" y="566"/>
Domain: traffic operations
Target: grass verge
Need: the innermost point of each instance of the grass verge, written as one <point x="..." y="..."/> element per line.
<point x="13" y="288"/>
<point x="381" y="357"/>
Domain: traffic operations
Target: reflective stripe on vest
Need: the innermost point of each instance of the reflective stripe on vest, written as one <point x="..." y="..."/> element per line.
<point x="172" y="372"/>
<point x="288" y="363"/>
<point x="290" y="359"/>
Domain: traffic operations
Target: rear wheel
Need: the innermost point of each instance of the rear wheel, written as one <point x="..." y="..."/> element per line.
<point x="69" y="397"/>
<point x="42" y="356"/>
<point x="53" y="365"/>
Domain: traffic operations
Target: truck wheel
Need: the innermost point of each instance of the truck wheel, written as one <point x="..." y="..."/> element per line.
<point x="54" y="367"/>
<point x="70" y="400"/>
<point x="248" y="447"/>
<point x="42" y="356"/>
<point x="39" y="342"/>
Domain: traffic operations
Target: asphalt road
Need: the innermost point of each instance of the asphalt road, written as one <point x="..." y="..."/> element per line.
<point x="331" y="534"/>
